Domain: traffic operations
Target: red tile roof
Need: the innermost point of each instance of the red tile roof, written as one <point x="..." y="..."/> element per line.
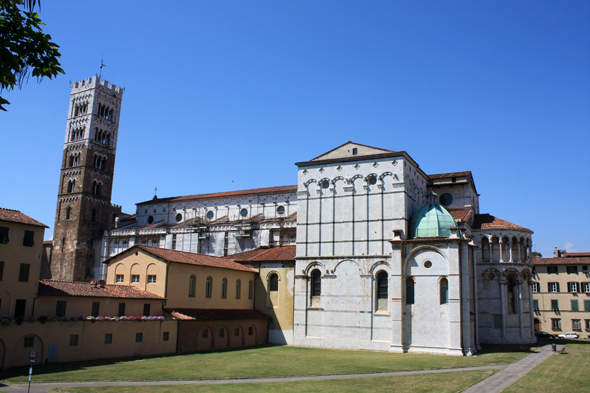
<point x="190" y="258"/>
<point x="200" y="314"/>
<point x="463" y="215"/>
<point x="86" y="289"/>
<point x="285" y="253"/>
<point x="487" y="221"/>
<point x="450" y="174"/>
<point x="562" y="261"/>
<point x="576" y="254"/>
<point x="18" y="217"/>
<point x="254" y="191"/>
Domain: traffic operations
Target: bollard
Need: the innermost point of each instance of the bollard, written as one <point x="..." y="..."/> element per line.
<point x="554" y="347"/>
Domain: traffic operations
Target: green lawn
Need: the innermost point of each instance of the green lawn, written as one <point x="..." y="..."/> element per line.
<point x="566" y="372"/>
<point x="256" y="363"/>
<point x="438" y="383"/>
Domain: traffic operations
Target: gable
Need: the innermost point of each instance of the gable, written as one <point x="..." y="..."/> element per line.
<point x="347" y="150"/>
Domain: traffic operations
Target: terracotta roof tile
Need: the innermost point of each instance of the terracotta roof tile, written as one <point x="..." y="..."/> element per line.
<point x="576" y="254"/>
<point x="18" y="217"/>
<point x="487" y="221"/>
<point x="86" y="289"/>
<point x="562" y="261"/>
<point x="463" y="215"/>
<point x="450" y="174"/>
<point x="200" y="314"/>
<point x="191" y="258"/>
<point x="284" y="253"/>
<point x="254" y="191"/>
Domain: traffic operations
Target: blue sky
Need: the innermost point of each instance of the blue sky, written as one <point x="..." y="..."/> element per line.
<point x="228" y="95"/>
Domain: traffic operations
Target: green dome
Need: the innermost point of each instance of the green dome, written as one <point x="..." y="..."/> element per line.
<point x="432" y="220"/>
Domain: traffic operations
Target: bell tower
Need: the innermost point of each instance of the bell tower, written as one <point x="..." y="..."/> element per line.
<point x="84" y="210"/>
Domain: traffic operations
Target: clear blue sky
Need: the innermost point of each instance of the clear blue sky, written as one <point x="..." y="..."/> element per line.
<point x="227" y="95"/>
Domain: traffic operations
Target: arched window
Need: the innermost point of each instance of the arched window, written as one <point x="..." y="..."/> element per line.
<point x="224" y="288"/>
<point x="238" y="289"/>
<point x="444" y="291"/>
<point x="511" y="298"/>
<point x="209" y="287"/>
<point x="250" y="289"/>
<point x="382" y="285"/>
<point x="273" y="282"/>
<point x="71" y="185"/>
<point x="191" y="285"/>
<point x="409" y="290"/>
<point x="316" y="283"/>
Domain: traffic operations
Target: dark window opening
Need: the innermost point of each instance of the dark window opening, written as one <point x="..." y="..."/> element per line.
<point x="444" y="291"/>
<point x="95" y="309"/>
<point x="60" y="308"/>
<point x="382" y="285"/>
<point x="3" y="235"/>
<point x="29" y="239"/>
<point x="138" y="337"/>
<point x="316" y="283"/>
<point x="23" y="273"/>
<point x="73" y="340"/>
<point x="205" y="333"/>
<point x="20" y="307"/>
<point x="146" y="310"/>
<point x="121" y="309"/>
<point x="409" y="290"/>
<point x="29" y="342"/>
<point x="108" y="338"/>
<point x="273" y="283"/>
<point x="166" y="336"/>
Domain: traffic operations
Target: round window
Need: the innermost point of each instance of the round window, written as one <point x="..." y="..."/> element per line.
<point x="244" y="212"/>
<point x="150" y="219"/>
<point x="427" y="264"/>
<point x="210" y="214"/>
<point x="445" y="199"/>
<point x="178" y="217"/>
<point x="373" y="180"/>
<point x="281" y="210"/>
<point x="326" y="184"/>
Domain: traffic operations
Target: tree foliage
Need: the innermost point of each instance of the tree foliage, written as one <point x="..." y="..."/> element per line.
<point x="24" y="49"/>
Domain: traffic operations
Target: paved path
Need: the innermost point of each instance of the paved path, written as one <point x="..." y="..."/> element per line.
<point x="501" y="380"/>
<point x="494" y="384"/>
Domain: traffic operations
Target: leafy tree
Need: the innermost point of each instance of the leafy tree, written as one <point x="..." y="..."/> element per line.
<point x="536" y="254"/>
<point x="24" y="49"/>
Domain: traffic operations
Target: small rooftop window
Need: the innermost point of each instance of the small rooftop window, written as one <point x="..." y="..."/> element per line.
<point x="355" y="151"/>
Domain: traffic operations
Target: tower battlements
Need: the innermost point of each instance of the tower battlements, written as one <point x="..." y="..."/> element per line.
<point x="94" y="82"/>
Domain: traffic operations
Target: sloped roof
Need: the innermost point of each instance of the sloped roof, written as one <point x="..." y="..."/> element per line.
<point x="19" y="218"/>
<point x="254" y="191"/>
<point x="463" y="215"/>
<point x="450" y="175"/>
<point x="86" y="289"/>
<point x="284" y="253"/>
<point x="201" y="314"/>
<point x="487" y="221"/>
<point x="576" y="254"/>
<point x="370" y="150"/>
<point x="189" y="258"/>
<point x="562" y="261"/>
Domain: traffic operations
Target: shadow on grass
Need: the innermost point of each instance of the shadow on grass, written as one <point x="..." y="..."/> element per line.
<point x="81" y="365"/>
<point x="500" y="348"/>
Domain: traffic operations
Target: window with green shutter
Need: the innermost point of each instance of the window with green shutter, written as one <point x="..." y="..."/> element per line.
<point x="554" y="305"/>
<point x="536" y="305"/>
<point x="574" y="305"/>
<point x="586" y="305"/>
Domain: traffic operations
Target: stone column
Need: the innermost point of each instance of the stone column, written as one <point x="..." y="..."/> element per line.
<point x="502" y="282"/>
<point x="518" y="245"/>
<point x="519" y="306"/>
<point x="491" y="238"/>
<point x="500" y="242"/>
<point x="510" y="250"/>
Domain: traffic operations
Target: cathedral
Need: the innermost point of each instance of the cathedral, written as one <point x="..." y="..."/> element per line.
<point x="386" y="257"/>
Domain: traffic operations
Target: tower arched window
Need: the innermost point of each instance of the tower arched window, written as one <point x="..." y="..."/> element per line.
<point x="273" y="282"/>
<point x="316" y="283"/>
<point x="68" y="212"/>
<point x="224" y="288"/>
<point x="409" y="290"/>
<point x="444" y="291"/>
<point x="238" y="289"/>
<point x="192" y="282"/>
<point x="208" y="287"/>
<point x="71" y="186"/>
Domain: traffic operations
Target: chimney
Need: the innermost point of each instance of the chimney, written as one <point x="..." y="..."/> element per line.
<point x="101" y="283"/>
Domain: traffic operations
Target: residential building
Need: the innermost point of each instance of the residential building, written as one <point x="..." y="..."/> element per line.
<point x="561" y="293"/>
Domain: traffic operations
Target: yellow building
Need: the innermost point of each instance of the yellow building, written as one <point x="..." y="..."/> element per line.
<point x="21" y="249"/>
<point x="561" y="293"/>
<point x="274" y="287"/>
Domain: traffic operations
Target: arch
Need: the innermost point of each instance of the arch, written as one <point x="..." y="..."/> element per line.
<point x="369" y="176"/>
<point x="151" y="270"/>
<point x="273" y="281"/>
<point x="224" y="288"/>
<point x="490" y="273"/>
<point x="420" y="249"/>
<point x="20" y="352"/>
<point x="315" y="283"/>
<point x="312" y="265"/>
<point x="209" y="287"/>
<point x="192" y="283"/>
<point x="346" y="260"/>
<point x="384" y="175"/>
<point x="381" y="264"/>
<point x="251" y="336"/>
<point x="443" y="285"/>
<point x="221" y="337"/>
<point x="410" y="290"/>
<point x="238" y="289"/>
<point x="307" y="183"/>
<point x="135" y="271"/>
<point x="204" y="339"/>
<point x="334" y="180"/>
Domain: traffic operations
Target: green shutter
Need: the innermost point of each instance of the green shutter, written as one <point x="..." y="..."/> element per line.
<point x="536" y="305"/>
<point x="554" y="305"/>
<point x="586" y="305"/>
<point x="574" y="305"/>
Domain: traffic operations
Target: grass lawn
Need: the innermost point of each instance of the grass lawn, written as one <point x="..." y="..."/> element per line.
<point x="256" y="363"/>
<point x="447" y="382"/>
<point x="566" y="372"/>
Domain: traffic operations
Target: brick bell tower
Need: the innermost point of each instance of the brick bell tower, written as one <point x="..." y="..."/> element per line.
<point x="84" y="209"/>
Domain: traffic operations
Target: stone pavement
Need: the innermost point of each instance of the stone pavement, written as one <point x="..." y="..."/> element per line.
<point x="493" y="384"/>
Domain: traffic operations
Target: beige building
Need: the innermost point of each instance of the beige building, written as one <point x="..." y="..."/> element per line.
<point x="561" y="293"/>
<point x="21" y="249"/>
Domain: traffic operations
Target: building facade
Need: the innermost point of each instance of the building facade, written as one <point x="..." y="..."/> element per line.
<point x="561" y="293"/>
<point x="84" y="210"/>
